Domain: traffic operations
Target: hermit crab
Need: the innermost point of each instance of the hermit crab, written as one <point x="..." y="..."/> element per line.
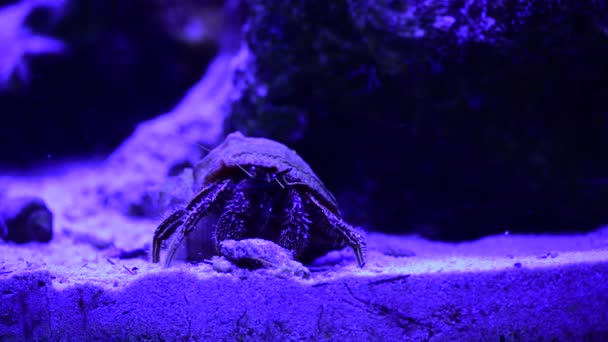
<point x="259" y="188"/>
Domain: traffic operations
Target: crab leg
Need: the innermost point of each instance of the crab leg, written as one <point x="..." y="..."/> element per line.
<point x="164" y="230"/>
<point x="295" y="226"/>
<point x="353" y="238"/>
<point x="196" y="209"/>
<point x="231" y="225"/>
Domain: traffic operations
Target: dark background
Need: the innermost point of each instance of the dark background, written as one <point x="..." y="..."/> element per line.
<point x="460" y="145"/>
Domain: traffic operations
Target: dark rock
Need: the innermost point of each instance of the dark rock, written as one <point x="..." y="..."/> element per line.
<point x="453" y="119"/>
<point x="25" y="219"/>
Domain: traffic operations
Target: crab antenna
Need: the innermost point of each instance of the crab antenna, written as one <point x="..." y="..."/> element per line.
<point x="280" y="184"/>
<point x="203" y="147"/>
<point x="281" y="173"/>
<point x="246" y="172"/>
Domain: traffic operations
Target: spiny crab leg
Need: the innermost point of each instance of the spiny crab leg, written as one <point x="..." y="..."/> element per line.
<point x="353" y="238"/>
<point x="196" y="209"/>
<point x="165" y="230"/>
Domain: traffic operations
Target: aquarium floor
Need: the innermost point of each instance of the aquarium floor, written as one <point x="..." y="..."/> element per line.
<point x="500" y="288"/>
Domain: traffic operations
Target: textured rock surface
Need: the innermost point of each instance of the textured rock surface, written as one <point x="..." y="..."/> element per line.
<point x="454" y="119"/>
<point x="498" y="288"/>
<point x="501" y="287"/>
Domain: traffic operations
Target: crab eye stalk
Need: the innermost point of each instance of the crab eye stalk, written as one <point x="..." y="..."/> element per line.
<point x="277" y="176"/>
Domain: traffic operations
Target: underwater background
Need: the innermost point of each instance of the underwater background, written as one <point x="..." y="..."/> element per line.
<point x="459" y="191"/>
<point x="451" y="119"/>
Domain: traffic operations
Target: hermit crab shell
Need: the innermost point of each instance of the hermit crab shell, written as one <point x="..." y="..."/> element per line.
<point x="239" y="150"/>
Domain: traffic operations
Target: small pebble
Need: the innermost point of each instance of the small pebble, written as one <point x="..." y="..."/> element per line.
<point x="25" y="219"/>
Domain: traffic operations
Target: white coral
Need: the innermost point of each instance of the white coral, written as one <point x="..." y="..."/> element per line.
<point x="16" y="40"/>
